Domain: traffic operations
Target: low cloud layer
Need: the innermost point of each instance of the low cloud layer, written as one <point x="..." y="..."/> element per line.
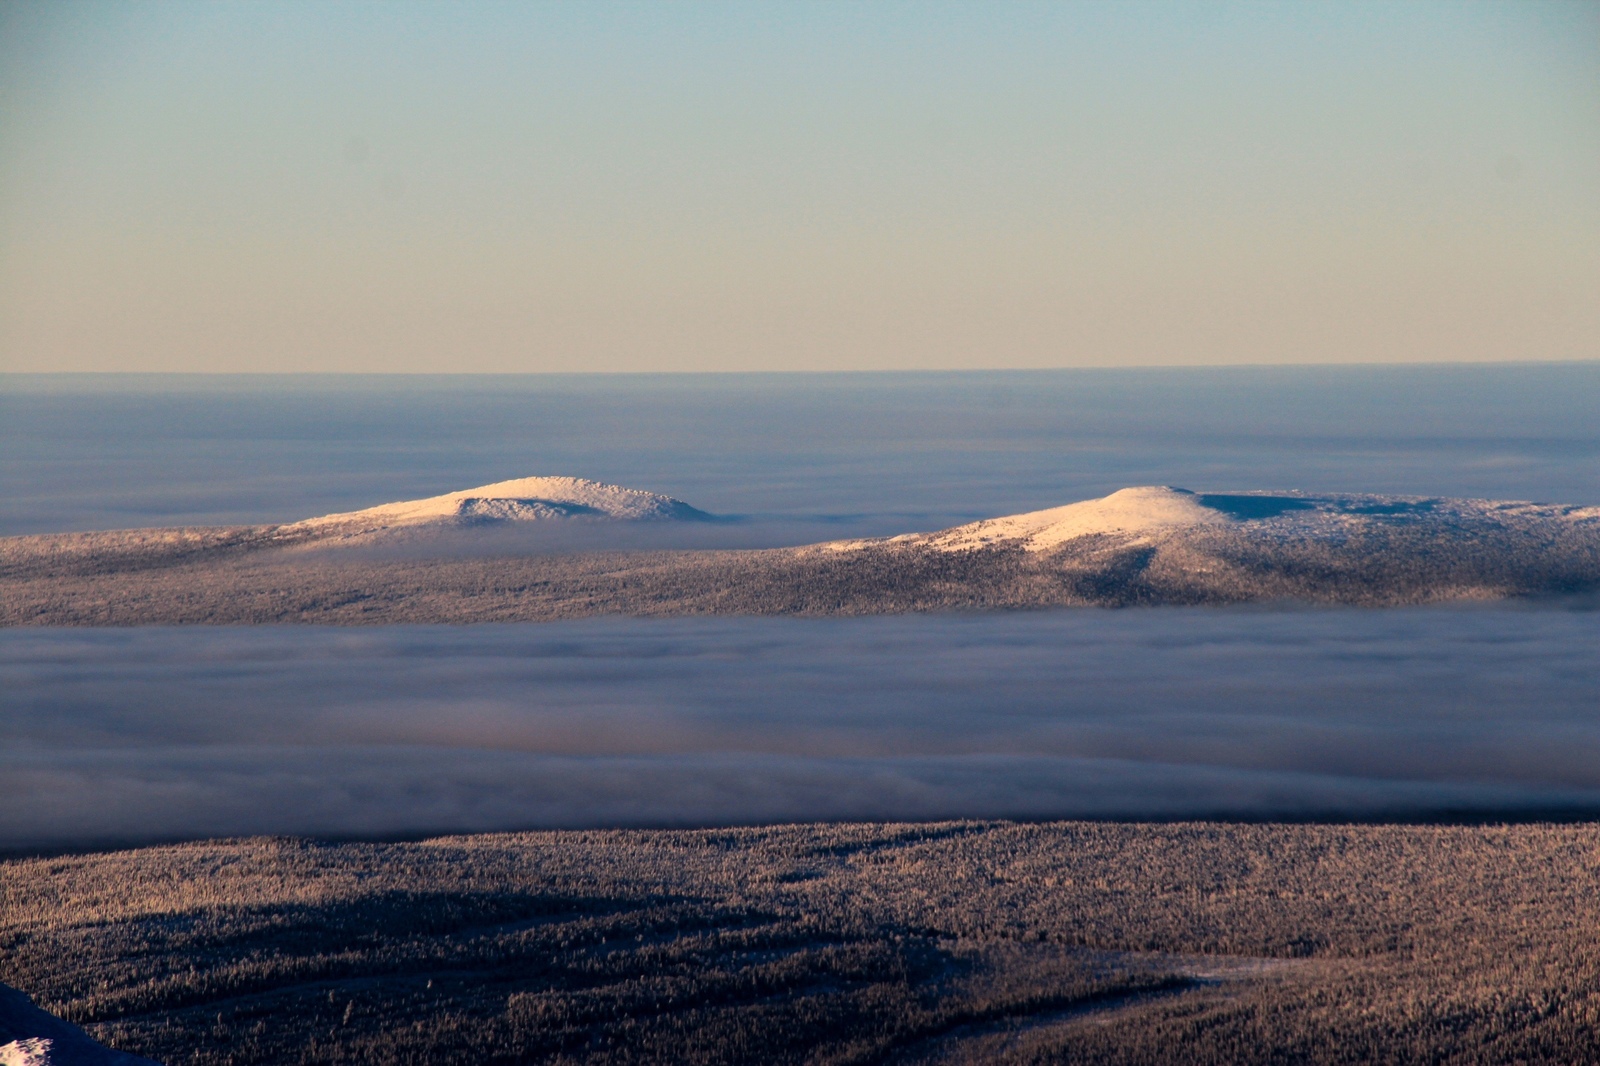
<point x="129" y="735"/>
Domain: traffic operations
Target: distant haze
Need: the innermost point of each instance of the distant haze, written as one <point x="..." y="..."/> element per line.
<point x="649" y="187"/>
<point x="798" y="458"/>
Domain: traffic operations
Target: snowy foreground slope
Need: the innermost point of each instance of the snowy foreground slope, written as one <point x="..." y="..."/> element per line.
<point x="1147" y="545"/>
<point x="31" y="1037"/>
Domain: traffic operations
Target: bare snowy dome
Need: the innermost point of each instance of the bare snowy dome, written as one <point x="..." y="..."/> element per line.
<point x="521" y="500"/>
<point x="1147" y="512"/>
<point x="1135" y="510"/>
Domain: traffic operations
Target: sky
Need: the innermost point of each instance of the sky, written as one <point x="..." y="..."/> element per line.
<point x="524" y="187"/>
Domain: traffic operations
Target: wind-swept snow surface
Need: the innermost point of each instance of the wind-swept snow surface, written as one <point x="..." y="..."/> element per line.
<point x="521" y="500"/>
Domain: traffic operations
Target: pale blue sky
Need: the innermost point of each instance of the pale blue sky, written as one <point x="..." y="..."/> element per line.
<point x="523" y="187"/>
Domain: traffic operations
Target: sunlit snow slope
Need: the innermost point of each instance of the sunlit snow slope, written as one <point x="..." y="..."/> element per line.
<point x="521" y="500"/>
<point x="1148" y="514"/>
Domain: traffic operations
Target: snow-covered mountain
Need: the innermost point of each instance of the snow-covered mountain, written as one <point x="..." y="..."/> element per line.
<point x="1155" y="513"/>
<point x="1155" y="544"/>
<point x="529" y="499"/>
<point x="1138" y="546"/>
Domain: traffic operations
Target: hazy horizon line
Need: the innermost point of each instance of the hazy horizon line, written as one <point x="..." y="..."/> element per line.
<point x="791" y="372"/>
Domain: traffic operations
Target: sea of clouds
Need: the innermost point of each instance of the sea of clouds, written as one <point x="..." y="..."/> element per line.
<point x="161" y="733"/>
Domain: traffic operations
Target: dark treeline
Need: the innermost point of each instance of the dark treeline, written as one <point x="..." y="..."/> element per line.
<point x="961" y="942"/>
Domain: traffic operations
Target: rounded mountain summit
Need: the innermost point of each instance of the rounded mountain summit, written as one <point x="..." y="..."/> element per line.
<point x="529" y="499"/>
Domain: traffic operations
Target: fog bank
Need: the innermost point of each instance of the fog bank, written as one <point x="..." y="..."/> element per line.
<point x="128" y="735"/>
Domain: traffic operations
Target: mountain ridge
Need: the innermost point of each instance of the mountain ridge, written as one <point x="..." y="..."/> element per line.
<point x="1142" y="546"/>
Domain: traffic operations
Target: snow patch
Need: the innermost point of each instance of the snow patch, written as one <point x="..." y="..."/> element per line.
<point x="34" y="1051"/>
